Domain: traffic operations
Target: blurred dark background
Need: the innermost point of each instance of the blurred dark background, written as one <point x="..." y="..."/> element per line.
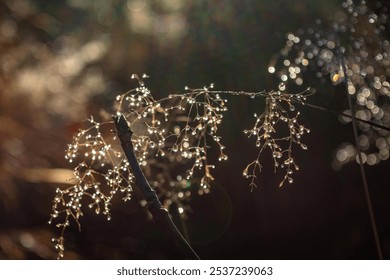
<point x="61" y="61"/>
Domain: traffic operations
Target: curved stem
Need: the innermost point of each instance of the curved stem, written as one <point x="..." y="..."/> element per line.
<point x="362" y="171"/>
<point x="159" y="213"/>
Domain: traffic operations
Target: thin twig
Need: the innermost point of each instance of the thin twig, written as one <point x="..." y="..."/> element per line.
<point x="159" y="213"/>
<point x="362" y="171"/>
<point x="346" y="115"/>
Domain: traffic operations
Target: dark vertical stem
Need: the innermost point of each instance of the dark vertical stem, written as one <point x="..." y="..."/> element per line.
<point x="159" y="213"/>
<point x="362" y="171"/>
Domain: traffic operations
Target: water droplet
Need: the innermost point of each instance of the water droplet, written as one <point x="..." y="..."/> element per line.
<point x="271" y="69"/>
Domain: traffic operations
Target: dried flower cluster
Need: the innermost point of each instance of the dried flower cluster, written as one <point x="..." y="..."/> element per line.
<point x="101" y="172"/>
<point x="356" y="35"/>
<point x="172" y="137"/>
<point x="266" y="129"/>
<point x="180" y="126"/>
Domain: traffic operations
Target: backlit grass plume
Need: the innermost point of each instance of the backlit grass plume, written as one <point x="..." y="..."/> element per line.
<point x="172" y="139"/>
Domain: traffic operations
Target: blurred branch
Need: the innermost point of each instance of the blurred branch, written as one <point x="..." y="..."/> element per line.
<point x="48" y="175"/>
<point x="362" y="170"/>
<point x="159" y="213"/>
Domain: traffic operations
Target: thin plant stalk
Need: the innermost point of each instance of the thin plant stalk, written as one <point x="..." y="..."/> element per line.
<point x="362" y="170"/>
<point x="159" y="213"/>
<point x="346" y="115"/>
